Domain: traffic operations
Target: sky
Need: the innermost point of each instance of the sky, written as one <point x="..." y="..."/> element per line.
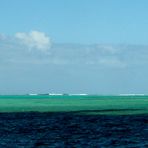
<point x="73" y="46"/>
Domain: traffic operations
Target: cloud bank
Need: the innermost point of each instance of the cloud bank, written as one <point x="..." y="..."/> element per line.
<point x="29" y="62"/>
<point x="36" y="47"/>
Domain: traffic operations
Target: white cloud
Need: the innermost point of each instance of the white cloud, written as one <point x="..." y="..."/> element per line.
<point x="34" y="39"/>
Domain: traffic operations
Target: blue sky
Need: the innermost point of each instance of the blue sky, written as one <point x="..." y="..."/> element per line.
<point x="79" y="21"/>
<point x="73" y="46"/>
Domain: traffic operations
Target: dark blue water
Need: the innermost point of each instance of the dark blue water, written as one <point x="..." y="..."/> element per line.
<point x="58" y="130"/>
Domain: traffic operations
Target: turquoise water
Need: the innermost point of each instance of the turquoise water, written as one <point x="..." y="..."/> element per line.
<point x="64" y="103"/>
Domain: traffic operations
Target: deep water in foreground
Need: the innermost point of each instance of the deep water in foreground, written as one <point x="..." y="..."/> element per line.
<point x="31" y="130"/>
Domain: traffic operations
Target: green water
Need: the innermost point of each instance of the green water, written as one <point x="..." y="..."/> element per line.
<point x="90" y="104"/>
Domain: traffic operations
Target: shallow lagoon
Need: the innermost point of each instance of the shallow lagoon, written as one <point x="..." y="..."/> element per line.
<point x="84" y="104"/>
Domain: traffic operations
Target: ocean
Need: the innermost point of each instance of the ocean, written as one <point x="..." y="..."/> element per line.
<point x="54" y="121"/>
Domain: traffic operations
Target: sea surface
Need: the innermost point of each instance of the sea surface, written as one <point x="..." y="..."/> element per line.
<point x="60" y="130"/>
<point x="72" y="129"/>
